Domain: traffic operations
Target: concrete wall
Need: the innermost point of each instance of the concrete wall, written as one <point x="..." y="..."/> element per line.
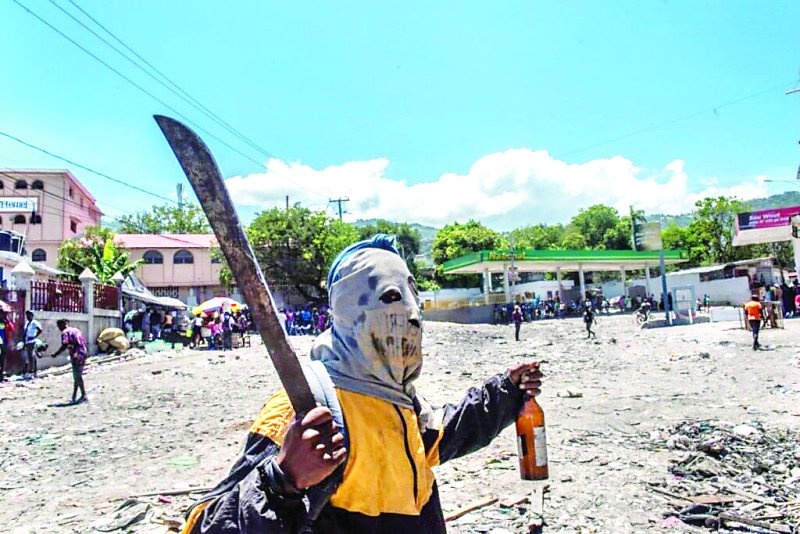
<point x="471" y="315"/>
<point x="443" y="296"/>
<point x="52" y="335"/>
<point x="541" y="287"/>
<point x="732" y="291"/>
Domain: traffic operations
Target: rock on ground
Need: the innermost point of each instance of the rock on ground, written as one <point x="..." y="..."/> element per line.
<point x="177" y="420"/>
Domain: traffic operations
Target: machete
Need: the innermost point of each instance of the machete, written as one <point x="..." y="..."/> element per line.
<point x="203" y="173"/>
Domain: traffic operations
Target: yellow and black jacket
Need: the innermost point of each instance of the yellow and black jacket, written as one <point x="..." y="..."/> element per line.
<point x="386" y="483"/>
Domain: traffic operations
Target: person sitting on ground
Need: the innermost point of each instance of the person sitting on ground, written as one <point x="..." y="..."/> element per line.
<point x="72" y="340"/>
<point x="362" y="460"/>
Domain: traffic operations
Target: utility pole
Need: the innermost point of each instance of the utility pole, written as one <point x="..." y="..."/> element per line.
<point x="180" y="208"/>
<point x="339" y="201"/>
<point x="287" y="202"/>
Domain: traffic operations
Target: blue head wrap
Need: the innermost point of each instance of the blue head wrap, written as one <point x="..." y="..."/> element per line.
<point x="381" y="241"/>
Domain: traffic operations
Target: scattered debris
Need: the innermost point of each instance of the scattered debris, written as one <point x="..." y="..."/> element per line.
<point x="733" y="474"/>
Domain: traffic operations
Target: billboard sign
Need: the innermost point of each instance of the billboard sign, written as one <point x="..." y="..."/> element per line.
<point x="647" y="236"/>
<point x="17" y="205"/>
<point x="764" y="226"/>
<point x="758" y="220"/>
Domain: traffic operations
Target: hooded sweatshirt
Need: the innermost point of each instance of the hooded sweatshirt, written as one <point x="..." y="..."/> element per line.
<point x="372" y="353"/>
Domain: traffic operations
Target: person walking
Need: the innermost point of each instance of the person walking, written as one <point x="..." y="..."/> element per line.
<point x="31" y="332"/>
<point x="6" y="335"/>
<point x="753" y="312"/>
<point x="588" y="319"/>
<point x="516" y="317"/>
<point x="72" y="340"/>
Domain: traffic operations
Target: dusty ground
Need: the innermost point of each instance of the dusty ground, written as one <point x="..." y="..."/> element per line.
<point x="177" y="420"/>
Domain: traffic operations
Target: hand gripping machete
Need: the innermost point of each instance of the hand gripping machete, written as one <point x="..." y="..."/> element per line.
<point x="203" y="173"/>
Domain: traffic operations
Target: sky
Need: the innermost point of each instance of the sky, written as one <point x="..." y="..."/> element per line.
<point x="510" y="113"/>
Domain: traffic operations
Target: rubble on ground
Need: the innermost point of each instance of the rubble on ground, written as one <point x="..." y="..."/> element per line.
<point x="160" y="429"/>
<point x="726" y="474"/>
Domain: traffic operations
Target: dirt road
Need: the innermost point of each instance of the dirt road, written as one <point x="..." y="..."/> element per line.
<point x="170" y="421"/>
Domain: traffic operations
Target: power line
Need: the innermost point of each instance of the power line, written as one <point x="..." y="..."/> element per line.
<point x="673" y="121"/>
<point x="71" y="201"/>
<point x="136" y="85"/>
<point x="84" y="167"/>
<point x="183" y="95"/>
<point x="151" y="95"/>
<point x="339" y="202"/>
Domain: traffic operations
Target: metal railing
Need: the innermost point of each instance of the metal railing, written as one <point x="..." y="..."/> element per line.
<point x="57" y="296"/>
<point x="106" y="297"/>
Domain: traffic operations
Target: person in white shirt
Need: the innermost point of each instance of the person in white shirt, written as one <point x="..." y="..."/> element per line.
<point x="33" y="329"/>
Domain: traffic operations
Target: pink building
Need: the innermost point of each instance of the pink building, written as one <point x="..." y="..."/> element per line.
<point x="176" y="265"/>
<point x="47" y="207"/>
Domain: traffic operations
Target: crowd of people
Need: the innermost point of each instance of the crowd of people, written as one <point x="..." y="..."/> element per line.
<point x="152" y="322"/>
<point x="305" y="321"/>
<point x="216" y="329"/>
<point x="535" y="308"/>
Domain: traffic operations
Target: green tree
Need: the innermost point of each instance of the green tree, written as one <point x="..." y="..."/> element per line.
<point x="539" y="237"/>
<point x="408" y="238"/>
<point x="97" y="251"/>
<point x="710" y="234"/>
<point x="166" y="219"/>
<point x="456" y="240"/>
<point x="573" y="240"/>
<point x="600" y="226"/>
<point x="675" y="237"/>
<point x="296" y="247"/>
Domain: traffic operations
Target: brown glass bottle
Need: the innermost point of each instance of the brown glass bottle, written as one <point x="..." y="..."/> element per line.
<point x="531" y="441"/>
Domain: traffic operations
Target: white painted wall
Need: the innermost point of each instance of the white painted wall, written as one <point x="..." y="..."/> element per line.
<point x="732" y="291"/>
<point x="541" y="287"/>
<point x="450" y="295"/>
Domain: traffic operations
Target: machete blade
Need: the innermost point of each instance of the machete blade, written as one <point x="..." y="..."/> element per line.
<point x="203" y="173"/>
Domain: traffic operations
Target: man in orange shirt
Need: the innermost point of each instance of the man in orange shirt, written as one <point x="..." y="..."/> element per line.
<point x="752" y="310"/>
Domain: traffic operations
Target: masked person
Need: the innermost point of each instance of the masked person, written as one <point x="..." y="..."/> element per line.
<point x="361" y="461"/>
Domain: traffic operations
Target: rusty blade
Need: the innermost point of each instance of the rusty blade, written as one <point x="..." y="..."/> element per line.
<point x="204" y="175"/>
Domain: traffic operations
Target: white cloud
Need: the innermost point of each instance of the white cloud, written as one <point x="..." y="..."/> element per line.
<point x="503" y="190"/>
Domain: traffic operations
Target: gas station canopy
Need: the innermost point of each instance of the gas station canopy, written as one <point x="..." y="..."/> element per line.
<point x="542" y="261"/>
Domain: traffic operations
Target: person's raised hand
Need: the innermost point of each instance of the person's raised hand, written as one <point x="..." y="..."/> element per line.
<point x="527" y="376"/>
<point x="312" y="449"/>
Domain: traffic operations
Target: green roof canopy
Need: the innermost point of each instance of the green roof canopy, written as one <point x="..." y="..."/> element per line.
<point x="538" y="261"/>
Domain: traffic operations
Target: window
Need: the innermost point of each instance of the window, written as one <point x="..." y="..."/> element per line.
<point x="21" y="184"/>
<point x="71" y="193"/>
<point x="39" y="255"/>
<point x="36" y="219"/>
<point x="153" y="257"/>
<point x="183" y="257"/>
<point x="73" y="225"/>
<point x="38" y="184"/>
<point x="19" y="219"/>
<point x="2" y="185"/>
<point x="215" y="258"/>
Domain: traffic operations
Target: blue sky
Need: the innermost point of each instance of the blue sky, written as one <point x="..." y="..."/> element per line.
<point x="424" y="111"/>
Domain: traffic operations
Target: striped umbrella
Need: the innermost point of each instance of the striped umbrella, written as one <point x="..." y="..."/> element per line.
<point x="216" y="304"/>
